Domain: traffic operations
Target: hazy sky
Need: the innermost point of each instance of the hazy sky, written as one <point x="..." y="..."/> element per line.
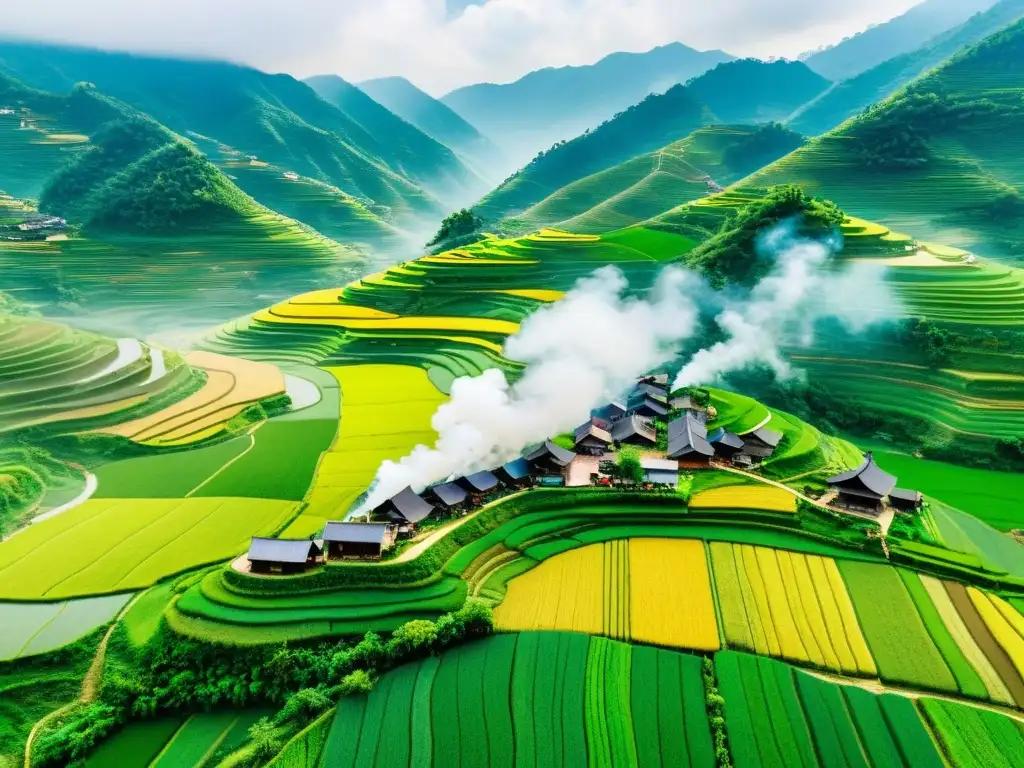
<point x="434" y="44"/>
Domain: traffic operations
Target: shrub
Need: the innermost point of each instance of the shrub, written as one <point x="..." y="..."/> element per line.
<point x="412" y="639"/>
<point x="303" y="707"/>
<point x="356" y="682"/>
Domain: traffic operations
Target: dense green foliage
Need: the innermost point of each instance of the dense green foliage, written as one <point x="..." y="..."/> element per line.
<point x="456" y="228"/>
<point x="768" y="143"/>
<point x="852" y="95"/>
<point x="732" y="255"/>
<point x="138" y="177"/>
<point x="752" y="91"/>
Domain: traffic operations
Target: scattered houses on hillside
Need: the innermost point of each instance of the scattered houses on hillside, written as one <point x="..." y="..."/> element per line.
<point x="868" y="488"/>
<point x="358" y="540"/>
<point x="283" y="555"/>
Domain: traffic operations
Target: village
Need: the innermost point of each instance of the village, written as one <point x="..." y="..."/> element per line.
<point x="618" y="446"/>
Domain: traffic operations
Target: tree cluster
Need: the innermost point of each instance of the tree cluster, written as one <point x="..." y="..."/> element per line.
<point x="457" y="227"/>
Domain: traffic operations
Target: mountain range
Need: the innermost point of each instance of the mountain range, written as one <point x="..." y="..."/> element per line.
<point x="555" y="104"/>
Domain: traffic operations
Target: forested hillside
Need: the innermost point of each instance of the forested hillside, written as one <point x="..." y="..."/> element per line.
<point x="900" y="35"/>
<point x="943" y="155"/>
<point x="272" y="118"/>
<point x="753" y="91"/>
<point x="847" y="98"/>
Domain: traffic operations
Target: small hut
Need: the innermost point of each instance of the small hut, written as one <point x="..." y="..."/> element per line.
<point x="548" y="460"/>
<point x="647" y="406"/>
<point x="687" y="440"/>
<point x="904" y="500"/>
<point x="479" y="484"/>
<point x="761" y="443"/>
<point x="727" y="445"/>
<point x="358" y="540"/>
<point x="282" y="555"/>
<point x="448" y="497"/>
<point x="609" y="412"/>
<point x="634" y="430"/>
<point x="864" y="488"/>
<point x="661" y="471"/>
<point x="515" y="474"/>
<point x="592" y="438"/>
<point x="405" y="509"/>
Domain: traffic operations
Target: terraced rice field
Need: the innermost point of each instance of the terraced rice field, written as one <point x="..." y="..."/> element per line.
<point x="745" y="497"/>
<point x="231" y="385"/>
<point x="788" y="605"/>
<point x="116" y="545"/>
<point x="34" y="628"/>
<point x="610" y="589"/>
<point x="218" y="609"/>
<point x="533" y="698"/>
<point x="385" y="411"/>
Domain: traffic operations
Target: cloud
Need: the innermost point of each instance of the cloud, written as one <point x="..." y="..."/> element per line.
<point x="497" y="41"/>
<point x="784" y="307"/>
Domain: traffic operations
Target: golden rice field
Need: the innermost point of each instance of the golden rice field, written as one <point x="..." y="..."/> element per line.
<point x="340" y="315"/>
<point x="765" y="497"/>
<point x="386" y="410"/>
<point x="1005" y="624"/>
<point x="649" y="590"/>
<point x="670" y="594"/>
<point x="788" y="605"/>
<point x="232" y="384"/>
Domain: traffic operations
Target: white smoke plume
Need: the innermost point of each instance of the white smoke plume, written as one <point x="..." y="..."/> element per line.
<point x="579" y="353"/>
<point x="785" y="305"/>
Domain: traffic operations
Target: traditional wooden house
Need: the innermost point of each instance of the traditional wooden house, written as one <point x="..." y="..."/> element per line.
<point x="661" y="471"/>
<point x="358" y="540"/>
<point x="903" y="500"/>
<point x="647" y="406"/>
<point x="479" y="484"/>
<point x="515" y="474"/>
<point x="447" y="497"/>
<point x="282" y="555"/>
<point x="405" y="509"/>
<point x="864" y="488"/>
<point x="726" y="444"/>
<point x="644" y="388"/>
<point x="687" y="440"/>
<point x="592" y="438"/>
<point x="761" y="443"/>
<point x="610" y="412"/>
<point x="634" y="430"/>
<point x="548" y="460"/>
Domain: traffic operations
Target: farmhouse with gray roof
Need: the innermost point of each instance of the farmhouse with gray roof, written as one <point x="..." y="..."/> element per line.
<point x="404" y="508"/>
<point x="634" y="430"/>
<point x="687" y="440"/>
<point x="344" y="539"/>
<point x="282" y="555"/>
<point x="865" y="487"/>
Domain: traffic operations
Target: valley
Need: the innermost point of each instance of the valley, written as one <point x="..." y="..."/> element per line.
<point x="698" y="440"/>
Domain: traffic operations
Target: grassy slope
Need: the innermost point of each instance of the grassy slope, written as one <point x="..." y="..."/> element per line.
<point x="847" y="98"/>
<point x="951" y="146"/>
<point x="653" y="123"/>
<point x="274" y="117"/>
<point x="650" y="184"/>
<point x="749" y="90"/>
<point x="415" y="154"/>
<point x="900" y="35"/>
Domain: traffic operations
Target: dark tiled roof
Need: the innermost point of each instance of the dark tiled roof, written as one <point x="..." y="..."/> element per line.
<point x="868" y="475"/>
<point x="724" y="437"/>
<point x="517" y="469"/>
<point x="481" y="481"/>
<point x="409" y="506"/>
<point x="632" y="426"/>
<point x="281" y="550"/>
<point x="361" y="533"/>
<point x="548" y="449"/>
<point x="592" y="430"/>
<point x="449" y="493"/>
<point x="903" y="494"/>
<point x="687" y="436"/>
<point x="767" y="436"/>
